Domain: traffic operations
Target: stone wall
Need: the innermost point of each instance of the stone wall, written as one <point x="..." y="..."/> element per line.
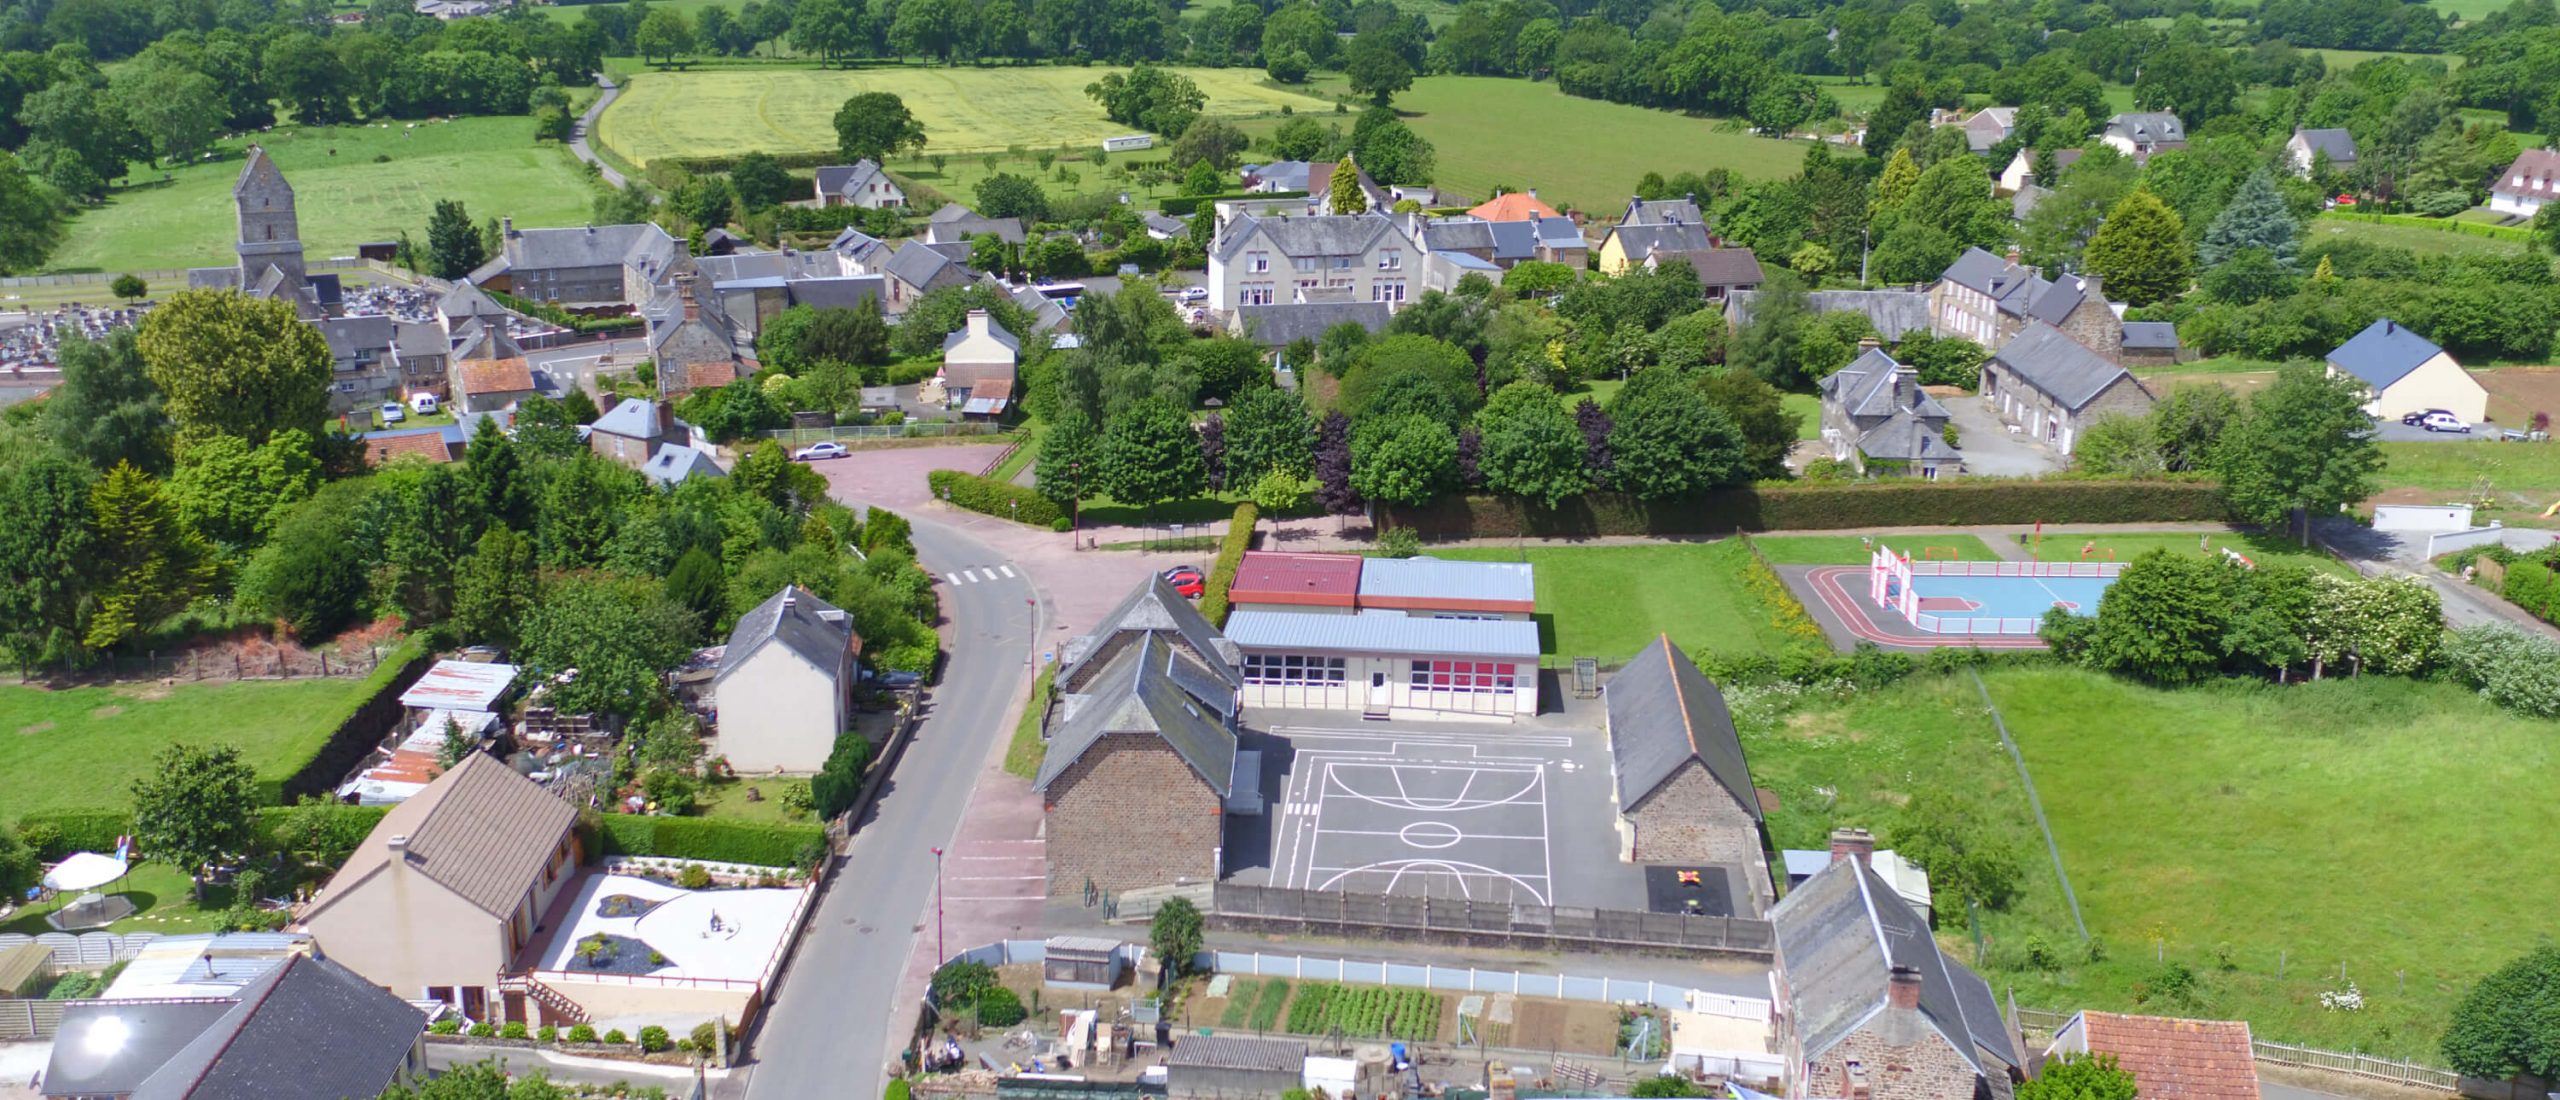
<point x="1693" y="819"/>
<point x="1926" y="1069"/>
<point x="1130" y="813"/>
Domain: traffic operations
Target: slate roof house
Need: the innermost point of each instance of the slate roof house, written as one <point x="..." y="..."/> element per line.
<point x="693" y="341"/>
<point x="1876" y="418"/>
<point x="2532" y="180"/>
<point x="675" y="463"/>
<point x="916" y="268"/>
<point x="1503" y="243"/>
<point x="305" y="1029"/>
<point x="861" y="183"/>
<point x="1626" y="246"/>
<point x="957" y="224"/>
<point x="361" y="360"/>
<point x="593" y="266"/>
<point x="1142" y="757"/>
<point x="2054" y="386"/>
<point x="448" y="889"/>
<point x="1868" y="1006"/>
<point x="634" y="430"/>
<point x="785" y="686"/>
<point x="2138" y="134"/>
<point x="1643" y="211"/>
<point x="2408" y="373"/>
<point x="1991" y="299"/>
<point x="1988" y="127"/>
<point x="1684" y="789"/>
<point x="2307" y="146"/>
<point x="1282" y="324"/>
<point x="1260" y="261"/>
<point x="2170" y="1059"/>
<point x="1277" y="177"/>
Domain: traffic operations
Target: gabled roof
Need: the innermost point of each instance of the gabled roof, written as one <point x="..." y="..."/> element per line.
<point x="2534" y="175"/>
<point x="834" y="292"/>
<point x="1279" y="175"/>
<point x="846" y="180"/>
<point x="1154" y="607"/>
<point x="1147" y="689"/>
<point x="1727" y="267"/>
<point x="1277" y="577"/>
<point x="1663" y="713"/>
<point x="482" y="376"/>
<point x="350" y="336"/>
<point x="917" y="265"/>
<point x="2064" y="368"/>
<point x="642" y="244"/>
<point x="2383" y="354"/>
<point x="1237" y="1052"/>
<point x="1285" y="323"/>
<point x="1906" y="437"/>
<point x="2151" y="335"/>
<point x="1313" y="235"/>
<point x="431" y="444"/>
<point x="480" y="830"/>
<point x="964" y="231"/>
<point x="1640" y="241"/>
<point x="2009" y="286"/>
<point x="2173" y="1059"/>
<point x="1514" y="206"/>
<point x="1560" y="233"/>
<point x="996" y="331"/>
<point x="2061" y="296"/>
<point x="2023" y="203"/>
<point x="258" y="173"/>
<point x="1455" y="234"/>
<point x="1659" y="211"/>
<point x="634" y="417"/>
<point x="797" y="620"/>
<point x="1864" y="388"/>
<point x="308" y="1028"/>
<point x="675" y="462"/>
<point x="2148" y="128"/>
<point x="2338" y="145"/>
<point x="1841" y="933"/>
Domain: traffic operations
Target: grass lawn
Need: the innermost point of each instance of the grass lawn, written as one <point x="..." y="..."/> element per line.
<point x="2065" y="546"/>
<point x="2468" y="9"/>
<point x="82" y="748"/>
<point x="1808" y="408"/>
<point x="344" y="195"/>
<point x="1610" y="601"/>
<point x="727" y="798"/>
<point x="1853" y="550"/>
<point x="2531" y="468"/>
<point x="964" y="110"/>
<point x="1480" y="125"/>
<point x="2342" y="60"/>
<point x="2412" y="237"/>
<point x="1023" y="753"/>
<point x="162" y="902"/>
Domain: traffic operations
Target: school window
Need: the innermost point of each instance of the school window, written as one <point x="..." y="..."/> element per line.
<point x="1293" y="669"/>
<point x="1464" y="676"/>
<point x="1304" y="263"/>
<point x="1258" y="262"/>
<point x="1392" y="261"/>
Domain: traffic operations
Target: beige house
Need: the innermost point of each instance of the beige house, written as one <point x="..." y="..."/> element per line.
<point x="785" y="686"/>
<point x="979" y="360"/>
<point x="1684" y="789"/>
<point x="2407" y="373"/>
<point x="443" y="899"/>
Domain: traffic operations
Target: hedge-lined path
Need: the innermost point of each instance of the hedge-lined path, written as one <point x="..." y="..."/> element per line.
<point x="587" y="125"/>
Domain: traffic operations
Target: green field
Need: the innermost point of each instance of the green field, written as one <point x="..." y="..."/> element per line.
<point x="964" y="110"/>
<point x="2468" y="9"/>
<point x="2530" y="468"/>
<point x="2265" y="549"/>
<point x="2325" y="824"/>
<point x="82" y="748"/>
<point x="2341" y="60"/>
<point x="1611" y="601"/>
<point x="352" y="184"/>
<point x="1854" y="549"/>
<point x="2412" y="237"/>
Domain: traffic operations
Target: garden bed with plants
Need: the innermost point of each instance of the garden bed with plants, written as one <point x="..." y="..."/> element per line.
<point x="653" y="1044"/>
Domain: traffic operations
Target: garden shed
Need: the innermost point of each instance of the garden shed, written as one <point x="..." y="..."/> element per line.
<point x="1082" y="962"/>
<point x="1225" y="1065"/>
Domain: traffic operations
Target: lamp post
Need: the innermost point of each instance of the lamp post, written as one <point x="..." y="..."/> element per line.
<point x="1075" y="526"/>
<point x="939" y="955"/>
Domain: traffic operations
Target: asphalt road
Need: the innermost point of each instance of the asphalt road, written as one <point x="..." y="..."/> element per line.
<point x="587" y="124"/>
<point x="827" y="1031"/>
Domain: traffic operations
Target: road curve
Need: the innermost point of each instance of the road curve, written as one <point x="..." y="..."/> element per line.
<point x="587" y="124"/>
<point x="828" y="1024"/>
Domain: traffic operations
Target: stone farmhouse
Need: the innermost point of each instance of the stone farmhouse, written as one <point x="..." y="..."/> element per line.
<point x="2053" y="386"/>
<point x="1876" y="418"/>
<point x="1684" y="789"/>
<point x="1260" y="261"/>
<point x="595" y="267"/>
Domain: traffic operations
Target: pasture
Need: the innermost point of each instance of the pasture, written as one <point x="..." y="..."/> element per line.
<point x="352" y="184"/>
<point x="2416" y="238"/>
<point x="721" y="112"/>
<point x="82" y="748"/>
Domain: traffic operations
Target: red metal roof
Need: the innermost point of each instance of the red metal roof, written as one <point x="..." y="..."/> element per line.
<point x="1311" y="580"/>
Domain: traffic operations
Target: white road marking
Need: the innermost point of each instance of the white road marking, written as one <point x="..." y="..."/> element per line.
<point x="954" y="578"/>
<point x="1007" y="570"/>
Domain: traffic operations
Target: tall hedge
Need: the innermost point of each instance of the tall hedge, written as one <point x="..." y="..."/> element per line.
<point x="1222" y="574"/>
<point x="705" y="838"/>
<point x="1002" y="500"/>
<point x="1791" y="507"/>
<point x="80" y="830"/>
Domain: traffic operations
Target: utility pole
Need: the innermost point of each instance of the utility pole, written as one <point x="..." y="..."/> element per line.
<point x="940" y="955"/>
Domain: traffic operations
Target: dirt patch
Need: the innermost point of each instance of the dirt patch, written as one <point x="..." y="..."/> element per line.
<point x="108" y="711"/>
<point x="2516" y="393"/>
<point x="40" y="727"/>
<point x="1821" y="726"/>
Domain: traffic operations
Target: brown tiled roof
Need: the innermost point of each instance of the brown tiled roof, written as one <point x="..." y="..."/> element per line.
<point x="1515" y="206"/>
<point x="993" y="387"/>
<point x="480" y="830"/>
<point x="2173" y="1059"/>
<point x="426" y="445"/>
<point x="709" y="376"/>
<point x="496" y="376"/>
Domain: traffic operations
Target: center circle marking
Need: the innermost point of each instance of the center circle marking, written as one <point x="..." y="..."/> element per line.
<point x="1430" y="834"/>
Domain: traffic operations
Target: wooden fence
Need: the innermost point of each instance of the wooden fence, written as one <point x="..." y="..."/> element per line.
<point x="30" y="1019"/>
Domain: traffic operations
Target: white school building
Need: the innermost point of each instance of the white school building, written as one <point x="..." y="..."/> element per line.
<point x="1412" y="637"/>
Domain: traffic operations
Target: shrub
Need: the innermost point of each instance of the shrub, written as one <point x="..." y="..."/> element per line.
<point x="446" y="1026"/>
<point x="839" y="781"/>
<point x="1779" y="605"/>
<point x="484" y="1030"/>
<point x="898" y="1090"/>
<point x="653" y="1039"/>
<point x="513" y="1029"/>
<point x="1001" y="1007"/>
<point x="1399" y="542"/>
<point x="1222" y="573"/>
<point x="44" y="838"/>
<point x="548" y="1034"/>
<point x="994" y="498"/>
<point x="582" y="1033"/>
<point x="714" y="840"/>
<point x="616" y="1037"/>
<point x="962" y="983"/>
<point x="2509" y="667"/>
<point x="1668" y="1084"/>
<point x="705" y="1039"/>
<point x="66" y="831"/>
<point x="694" y="877"/>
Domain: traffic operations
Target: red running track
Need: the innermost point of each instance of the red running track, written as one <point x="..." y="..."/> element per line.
<point x="1851" y="610"/>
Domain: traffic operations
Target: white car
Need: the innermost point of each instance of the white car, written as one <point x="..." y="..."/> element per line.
<point x="2444" y="422"/>
<point x="392" y="413"/>
<point x="816" y="451"/>
<point x="1195" y="294"/>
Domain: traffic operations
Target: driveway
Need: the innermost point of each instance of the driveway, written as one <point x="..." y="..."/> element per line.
<point x="1989" y="448"/>
<point x="2403" y="554"/>
<point x="2393" y="431"/>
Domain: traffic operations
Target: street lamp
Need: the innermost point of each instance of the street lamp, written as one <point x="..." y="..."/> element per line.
<point x="1075" y="473"/>
<point x="939" y="955"/>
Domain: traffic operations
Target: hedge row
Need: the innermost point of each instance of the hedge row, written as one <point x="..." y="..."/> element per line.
<point x="1180" y="205"/>
<point x="80" y="830"/>
<point x="355" y="726"/>
<point x="706" y="838"/>
<point x="561" y="317"/>
<point x="995" y="498"/>
<point x="2440" y="225"/>
<point x="1222" y="575"/>
<point x="1799" y="507"/>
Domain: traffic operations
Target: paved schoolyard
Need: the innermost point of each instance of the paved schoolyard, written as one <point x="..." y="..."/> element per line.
<point x="1509" y="813"/>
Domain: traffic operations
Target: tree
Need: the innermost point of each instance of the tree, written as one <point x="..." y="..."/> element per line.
<point x="1175" y="934"/>
<point x="2141" y="251"/>
<point x="311" y="576"/>
<point x="662" y="35"/>
<point x="876" y="126"/>
<point x="454" y="248"/>
<point x="1334" y="491"/>
<point x="2509" y="1023"/>
<point x="760" y="180"/>
<point x="1268" y="430"/>
<point x="195" y="806"/>
<point x="2256" y="217"/>
<point x="1667" y="440"/>
<point x="234" y="494"/>
<point x="616" y="631"/>
<point x="1536" y="278"/>
<point x="1211" y="141"/>
<point x="30" y="219"/>
<point x="47" y="554"/>
<point x="1150" y="454"/>
<point x="1005" y="195"/>
<point x="176" y="110"/>
<point x="495" y="586"/>
<point x="1758" y="411"/>
<point x="1389" y="150"/>
<point x="147" y="563"/>
<point x="129" y="287"/>
<point x="2165" y="618"/>
<point x="1406" y="459"/>
<point x="707" y="202"/>
<point x="1346" y="195"/>
<point x="1904" y="103"/>
<point x="1376" y="69"/>
<point x="1070" y="461"/>
<point x="2081" y="1078"/>
<point x="2190" y="80"/>
<point x="1530" y="446"/>
<point x="106" y="409"/>
<point x="1161" y="101"/>
<point x="235" y="365"/>
<point x="2304" y="443"/>
<point x="1946" y="835"/>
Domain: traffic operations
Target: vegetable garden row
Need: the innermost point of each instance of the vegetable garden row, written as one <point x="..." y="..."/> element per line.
<point x="1323" y="1008"/>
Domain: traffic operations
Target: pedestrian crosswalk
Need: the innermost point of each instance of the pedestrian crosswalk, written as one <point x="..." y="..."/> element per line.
<point x="981" y="574"/>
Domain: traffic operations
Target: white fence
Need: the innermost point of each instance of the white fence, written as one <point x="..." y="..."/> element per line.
<point x="1974" y="624"/>
<point x="85" y="951"/>
<point x="2017" y="568"/>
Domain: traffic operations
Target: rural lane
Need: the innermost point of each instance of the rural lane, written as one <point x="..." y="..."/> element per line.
<point x="828" y="1027"/>
<point x="587" y="125"/>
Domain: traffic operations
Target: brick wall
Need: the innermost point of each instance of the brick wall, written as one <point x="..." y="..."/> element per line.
<point x="1926" y="1069"/>
<point x="1131" y="813"/>
<point x="1693" y="819"/>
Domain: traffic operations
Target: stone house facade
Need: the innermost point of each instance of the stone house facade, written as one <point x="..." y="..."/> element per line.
<point x="1684" y="789"/>
<point x="1131" y="813"/>
<point x="2053" y="387"/>
<point x="1260" y="261"/>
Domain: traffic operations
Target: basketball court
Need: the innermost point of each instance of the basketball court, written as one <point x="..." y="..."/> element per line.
<point x="1419" y="814"/>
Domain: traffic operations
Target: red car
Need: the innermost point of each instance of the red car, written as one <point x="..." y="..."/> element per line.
<point x="1187" y="580"/>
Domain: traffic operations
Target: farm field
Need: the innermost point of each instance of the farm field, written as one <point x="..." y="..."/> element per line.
<point x="2247" y="823"/>
<point x="719" y="112"/>
<point x="82" y="748"/>
<point x="2516" y="393"/>
<point x="1480" y="126"/>
<point x="2468" y="9"/>
<point x="2414" y="238"/>
<point x="2347" y="59"/>
<point x="1610" y="601"/>
<point x="352" y="185"/>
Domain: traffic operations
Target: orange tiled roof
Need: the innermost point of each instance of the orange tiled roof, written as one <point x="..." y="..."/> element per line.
<point x="1516" y="206"/>
<point x="496" y="376"/>
<point x="2173" y="1059"/>
<point x="426" y="445"/>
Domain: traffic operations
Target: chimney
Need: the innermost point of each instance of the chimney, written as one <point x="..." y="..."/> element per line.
<point x="2013" y="255"/>
<point x="1869" y="344"/>
<point x="1857" y="844"/>
<point x="1902" y="990"/>
<point x="692" y="305"/>
<point x="399" y="843"/>
<point x="1906" y="380"/>
<point x="666" y="411"/>
<point x="977" y="322"/>
<point x="507" y="225"/>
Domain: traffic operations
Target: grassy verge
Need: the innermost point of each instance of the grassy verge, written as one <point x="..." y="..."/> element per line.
<point x="1030" y="433"/>
<point x="1022" y="754"/>
<point x="162" y="902"/>
<point x="1611" y="601"/>
<point x="82" y="748"/>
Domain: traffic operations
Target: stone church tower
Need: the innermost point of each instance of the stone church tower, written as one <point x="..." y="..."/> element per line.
<point x="270" y="237"/>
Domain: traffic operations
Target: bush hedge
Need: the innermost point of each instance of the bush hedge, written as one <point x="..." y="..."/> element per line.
<point x="992" y="497"/>
<point x="77" y="830"/>
<point x="705" y="838"/>
<point x="1805" y="506"/>
<point x="1222" y="575"/>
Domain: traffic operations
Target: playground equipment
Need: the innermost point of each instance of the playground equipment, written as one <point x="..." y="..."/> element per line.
<point x="2549" y="512"/>
<point x="1946" y="553"/>
<point x="2239" y="557"/>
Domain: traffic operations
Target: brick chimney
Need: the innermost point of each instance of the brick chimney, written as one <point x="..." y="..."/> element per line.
<point x="1857" y="844"/>
<point x="1869" y="344"/>
<point x="1902" y="990"/>
<point x="1906" y="383"/>
<point x="978" y="321"/>
<point x="666" y="416"/>
<point x="506" y="225"/>
<point x="2014" y="256"/>
<point x="692" y="305"/>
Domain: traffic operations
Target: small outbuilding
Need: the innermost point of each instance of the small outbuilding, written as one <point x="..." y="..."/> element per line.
<point x="1684" y="788"/>
<point x="1082" y="962"/>
<point x="1230" y="1066"/>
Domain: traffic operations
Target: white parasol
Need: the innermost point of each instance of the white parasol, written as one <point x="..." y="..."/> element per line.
<point x="84" y="871"/>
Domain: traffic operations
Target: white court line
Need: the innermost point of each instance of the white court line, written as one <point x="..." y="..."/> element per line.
<point x="1462" y="836"/>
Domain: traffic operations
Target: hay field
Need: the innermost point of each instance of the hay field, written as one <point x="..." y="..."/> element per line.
<point x="964" y="110"/>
